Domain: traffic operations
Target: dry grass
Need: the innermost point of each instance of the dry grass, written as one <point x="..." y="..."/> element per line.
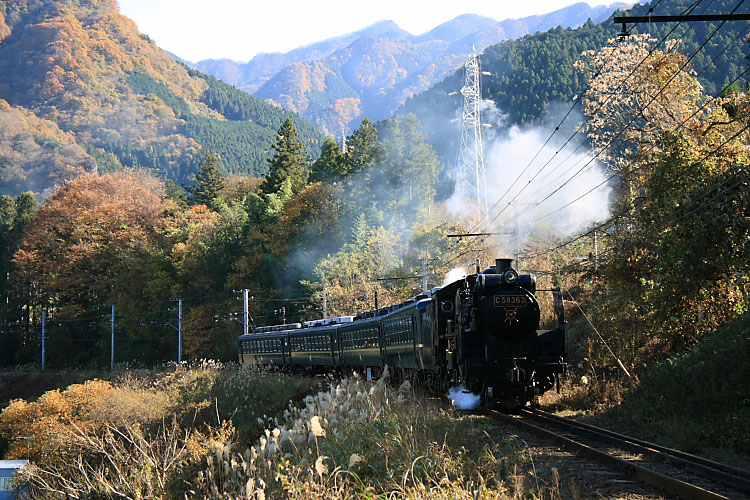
<point x="172" y="435"/>
<point x="362" y="440"/>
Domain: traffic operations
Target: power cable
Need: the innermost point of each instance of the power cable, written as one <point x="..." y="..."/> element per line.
<point x="689" y="9"/>
<point x="624" y="129"/>
<point x="580" y="128"/>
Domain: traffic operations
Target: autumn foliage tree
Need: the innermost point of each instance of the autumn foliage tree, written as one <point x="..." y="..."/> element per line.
<point x="93" y="243"/>
<point x="680" y="241"/>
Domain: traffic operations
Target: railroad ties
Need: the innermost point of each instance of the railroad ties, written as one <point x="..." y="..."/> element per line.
<point x="679" y="473"/>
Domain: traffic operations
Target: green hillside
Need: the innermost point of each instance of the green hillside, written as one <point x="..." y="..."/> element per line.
<point x="533" y="76"/>
<point x="121" y="99"/>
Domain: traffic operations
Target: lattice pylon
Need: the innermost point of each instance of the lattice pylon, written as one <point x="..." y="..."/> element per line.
<point x="471" y="182"/>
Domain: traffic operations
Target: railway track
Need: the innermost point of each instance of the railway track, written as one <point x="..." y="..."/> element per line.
<point x="681" y="474"/>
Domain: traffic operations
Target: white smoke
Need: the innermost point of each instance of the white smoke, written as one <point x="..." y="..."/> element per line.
<point x="547" y="185"/>
<point x="453" y="275"/>
<point x="463" y="399"/>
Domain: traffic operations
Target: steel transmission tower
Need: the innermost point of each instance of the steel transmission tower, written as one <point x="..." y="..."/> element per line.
<point x="471" y="183"/>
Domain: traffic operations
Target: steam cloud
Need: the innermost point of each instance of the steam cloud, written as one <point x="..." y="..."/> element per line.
<point x="547" y="193"/>
<point x="463" y="399"/>
<point x="453" y="275"/>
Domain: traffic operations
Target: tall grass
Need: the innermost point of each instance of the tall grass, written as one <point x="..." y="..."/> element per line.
<point x="221" y="431"/>
<point x="363" y="440"/>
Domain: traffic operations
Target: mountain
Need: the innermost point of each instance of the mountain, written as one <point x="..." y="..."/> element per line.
<point x="250" y="76"/>
<point x="529" y="78"/>
<point x="78" y="78"/>
<point x="337" y="82"/>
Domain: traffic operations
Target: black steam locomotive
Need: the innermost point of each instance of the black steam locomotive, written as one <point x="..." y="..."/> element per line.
<point x="481" y="331"/>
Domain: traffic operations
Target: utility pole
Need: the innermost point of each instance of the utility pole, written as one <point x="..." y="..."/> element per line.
<point x="179" y="328"/>
<point x="247" y="319"/>
<point x="44" y="318"/>
<point x="517" y="231"/>
<point x="325" y="299"/>
<point x="179" y="331"/>
<point x="112" y="342"/>
<point x="424" y="273"/>
<point x="245" y="308"/>
<point x="596" y="253"/>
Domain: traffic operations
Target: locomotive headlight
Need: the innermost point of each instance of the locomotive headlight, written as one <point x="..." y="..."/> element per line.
<point x="510" y="276"/>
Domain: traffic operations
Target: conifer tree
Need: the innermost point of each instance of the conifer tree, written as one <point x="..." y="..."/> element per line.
<point x="331" y="164"/>
<point x="364" y="148"/>
<point x="209" y="182"/>
<point x="289" y="161"/>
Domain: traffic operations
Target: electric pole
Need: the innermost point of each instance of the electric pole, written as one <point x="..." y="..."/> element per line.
<point x="112" y="342"/>
<point x="246" y="311"/>
<point x="179" y="331"/>
<point x="325" y="299"/>
<point x="424" y="273"/>
<point x="179" y="328"/>
<point x="596" y="253"/>
<point x="44" y="318"/>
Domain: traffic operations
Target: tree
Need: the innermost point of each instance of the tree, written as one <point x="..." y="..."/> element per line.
<point x="289" y="161"/>
<point x="680" y="244"/>
<point x="209" y="182"/>
<point x="409" y="171"/>
<point x="15" y="217"/>
<point x="96" y="241"/>
<point x="363" y="148"/>
<point x="331" y="165"/>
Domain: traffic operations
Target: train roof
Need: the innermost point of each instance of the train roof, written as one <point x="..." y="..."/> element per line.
<point x="341" y="320"/>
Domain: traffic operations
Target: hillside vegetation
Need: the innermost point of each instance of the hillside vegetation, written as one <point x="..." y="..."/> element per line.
<point x="692" y="400"/>
<point x="119" y="99"/>
<point x="532" y="80"/>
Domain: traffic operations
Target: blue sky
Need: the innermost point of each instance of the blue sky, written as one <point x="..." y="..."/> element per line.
<point x="239" y="29"/>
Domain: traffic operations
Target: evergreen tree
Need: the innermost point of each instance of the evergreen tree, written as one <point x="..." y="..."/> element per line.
<point x="363" y="148"/>
<point x="176" y="193"/>
<point x="331" y="165"/>
<point x="289" y="161"/>
<point x="410" y="169"/>
<point x="209" y="182"/>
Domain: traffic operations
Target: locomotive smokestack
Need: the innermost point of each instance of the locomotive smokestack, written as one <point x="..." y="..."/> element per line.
<point x="501" y="265"/>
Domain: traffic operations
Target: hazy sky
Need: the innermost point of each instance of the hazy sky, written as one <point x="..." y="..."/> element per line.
<point x="239" y="29"/>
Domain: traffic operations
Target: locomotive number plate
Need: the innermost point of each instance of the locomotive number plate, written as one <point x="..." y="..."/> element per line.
<point x="510" y="300"/>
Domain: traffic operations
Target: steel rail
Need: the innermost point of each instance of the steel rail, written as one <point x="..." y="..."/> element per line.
<point x="731" y="476"/>
<point x="673" y="485"/>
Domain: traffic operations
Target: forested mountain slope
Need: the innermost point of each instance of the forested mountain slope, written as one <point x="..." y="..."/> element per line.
<point x="369" y="73"/>
<point x="119" y="99"/>
<point x="534" y="77"/>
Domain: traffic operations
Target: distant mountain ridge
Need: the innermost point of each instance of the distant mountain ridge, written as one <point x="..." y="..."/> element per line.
<point x="370" y="72"/>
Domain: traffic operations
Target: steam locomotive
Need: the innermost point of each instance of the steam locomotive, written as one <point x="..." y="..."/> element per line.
<point x="481" y="331"/>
